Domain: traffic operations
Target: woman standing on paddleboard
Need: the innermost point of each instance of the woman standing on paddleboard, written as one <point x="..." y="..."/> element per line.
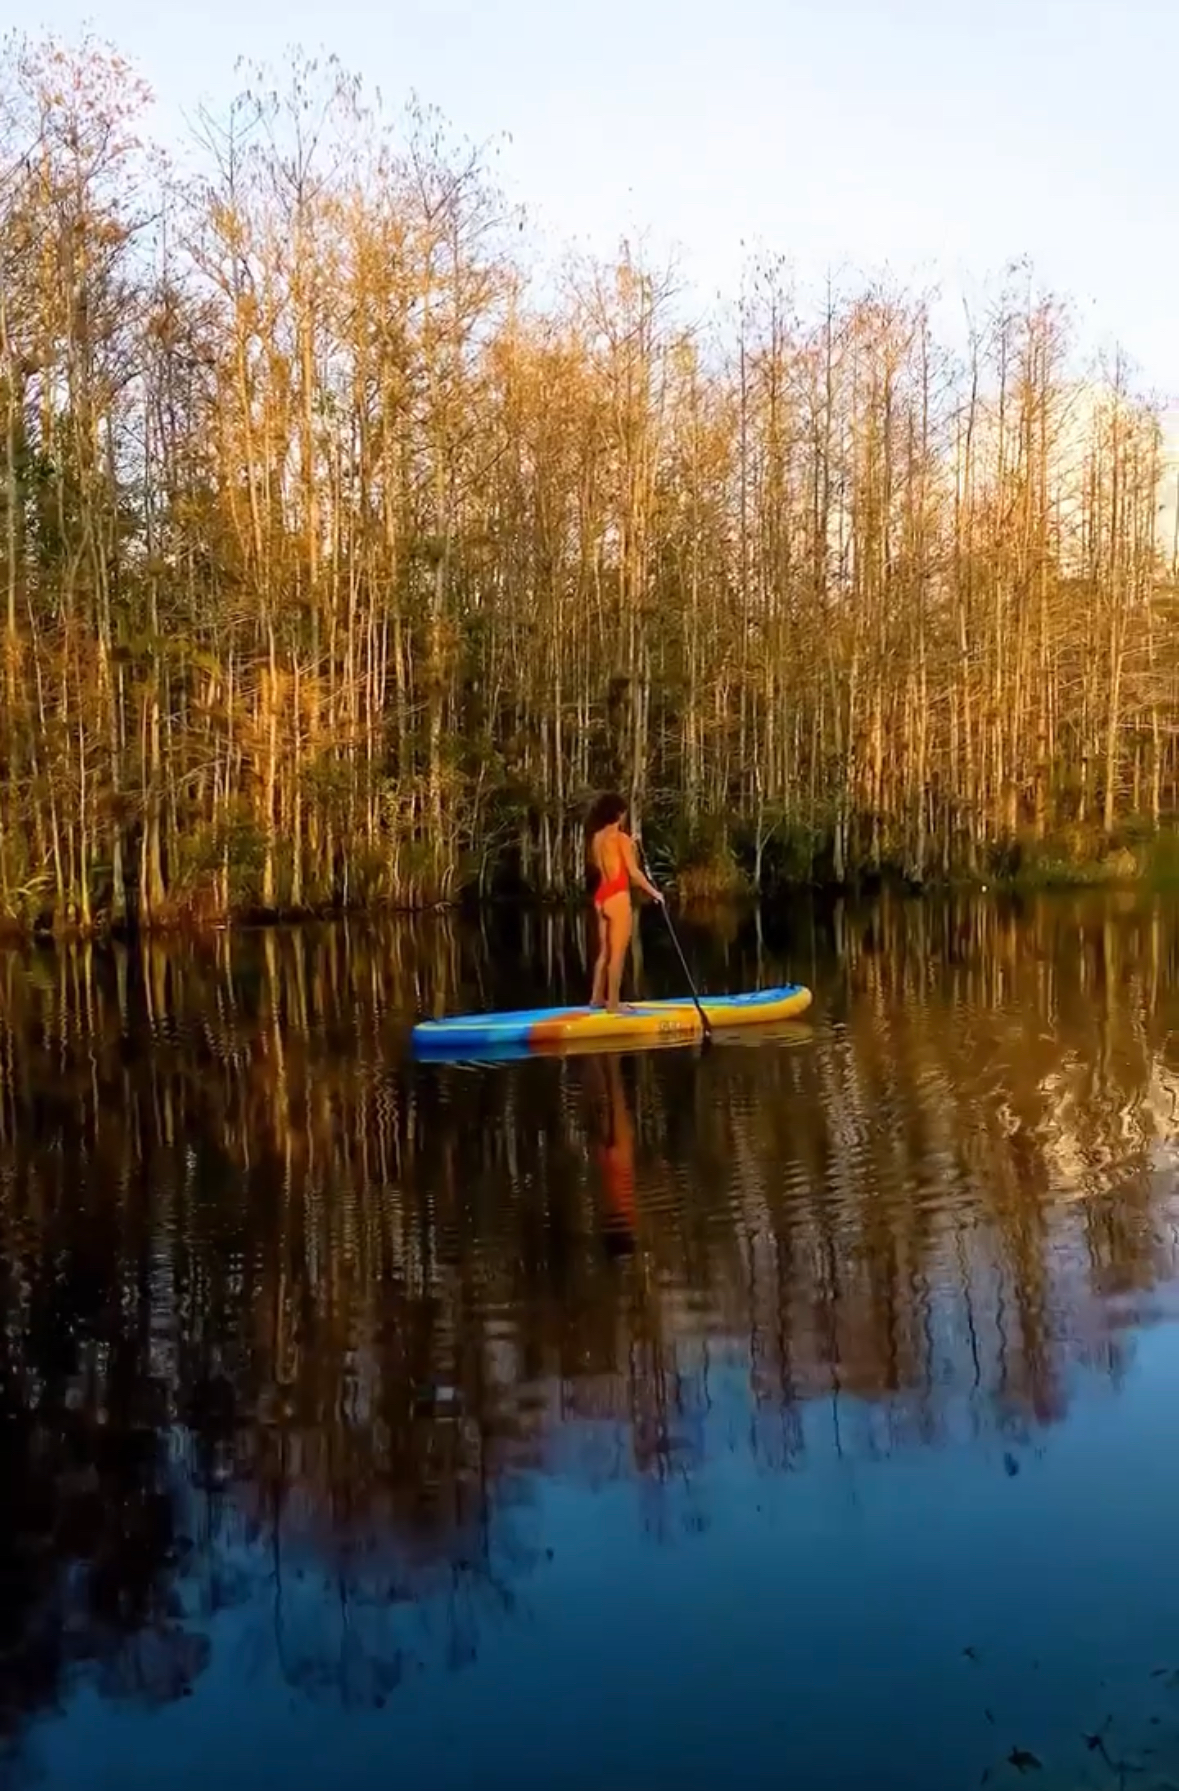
<point x="615" y="866"/>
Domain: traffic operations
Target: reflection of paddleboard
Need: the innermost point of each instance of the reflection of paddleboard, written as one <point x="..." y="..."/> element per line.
<point x="786" y="1032"/>
<point x="779" y="1034"/>
<point x="536" y="1030"/>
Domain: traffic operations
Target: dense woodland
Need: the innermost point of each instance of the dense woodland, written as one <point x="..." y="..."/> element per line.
<point x="343" y="559"/>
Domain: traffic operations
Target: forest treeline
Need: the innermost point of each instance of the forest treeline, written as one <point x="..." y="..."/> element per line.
<point x="343" y="560"/>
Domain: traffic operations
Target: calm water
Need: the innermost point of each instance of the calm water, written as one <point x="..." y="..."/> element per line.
<point x="798" y="1413"/>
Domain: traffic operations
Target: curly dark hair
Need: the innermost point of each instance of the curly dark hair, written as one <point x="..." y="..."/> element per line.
<point x="607" y="809"/>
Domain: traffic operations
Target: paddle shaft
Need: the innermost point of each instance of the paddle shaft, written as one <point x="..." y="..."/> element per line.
<point x="675" y="939"/>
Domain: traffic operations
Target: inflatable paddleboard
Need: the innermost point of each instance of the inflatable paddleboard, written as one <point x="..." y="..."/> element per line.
<point x="640" y="1023"/>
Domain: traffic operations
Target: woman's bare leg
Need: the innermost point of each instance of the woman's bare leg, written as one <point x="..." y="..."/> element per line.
<point x="601" y="963"/>
<point x="618" y="915"/>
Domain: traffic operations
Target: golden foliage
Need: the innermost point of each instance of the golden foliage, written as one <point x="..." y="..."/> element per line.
<point x="325" y="542"/>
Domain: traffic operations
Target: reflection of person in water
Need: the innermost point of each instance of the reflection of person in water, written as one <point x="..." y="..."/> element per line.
<point x="614" y="1148"/>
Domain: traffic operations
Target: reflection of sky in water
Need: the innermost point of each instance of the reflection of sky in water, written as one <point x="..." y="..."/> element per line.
<point x="735" y="1625"/>
<point x="886" y="1373"/>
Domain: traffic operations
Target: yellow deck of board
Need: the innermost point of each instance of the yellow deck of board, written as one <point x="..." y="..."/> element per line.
<point x="593" y="1025"/>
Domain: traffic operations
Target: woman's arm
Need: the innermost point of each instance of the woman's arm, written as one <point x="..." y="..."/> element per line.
<point x="635" y="869"/>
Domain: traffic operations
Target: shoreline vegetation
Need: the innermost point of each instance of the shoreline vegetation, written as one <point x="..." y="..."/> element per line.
<point x="340" y="564"/>
<point x="698" y="892"/>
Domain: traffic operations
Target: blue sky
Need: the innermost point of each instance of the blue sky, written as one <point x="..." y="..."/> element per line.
<point x="927" y="136"/>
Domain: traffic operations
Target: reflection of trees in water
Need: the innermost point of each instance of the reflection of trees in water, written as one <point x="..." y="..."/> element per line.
<point x="90" y="1551"/>
<point x="291" y="1326"/>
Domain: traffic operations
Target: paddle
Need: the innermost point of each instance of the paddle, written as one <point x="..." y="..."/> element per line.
<point x="680" y="954"/>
